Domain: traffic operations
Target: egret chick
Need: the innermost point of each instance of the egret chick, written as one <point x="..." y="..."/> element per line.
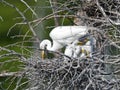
<point x="80" y="47"/>
<point x="77" y="51"/>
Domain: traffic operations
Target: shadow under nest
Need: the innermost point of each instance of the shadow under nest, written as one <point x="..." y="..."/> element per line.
<point x="76" y="74"/>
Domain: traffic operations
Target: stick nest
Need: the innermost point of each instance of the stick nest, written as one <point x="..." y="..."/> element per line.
<point x="59" y="74"/>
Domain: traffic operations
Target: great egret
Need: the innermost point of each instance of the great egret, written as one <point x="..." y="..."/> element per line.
<point x="62" y="36"/>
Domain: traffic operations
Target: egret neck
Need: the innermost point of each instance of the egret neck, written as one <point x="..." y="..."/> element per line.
<point x="47" y="45"/>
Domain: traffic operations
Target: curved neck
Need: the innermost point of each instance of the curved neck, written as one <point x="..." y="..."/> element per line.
<point x="49" y="46"/>
<point x="47" y="43"/>
<point x="55" y="46"/>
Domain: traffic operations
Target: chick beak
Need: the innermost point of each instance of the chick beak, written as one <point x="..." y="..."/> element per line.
<point x="43" y="54"/>
<point x="80" y="43"/>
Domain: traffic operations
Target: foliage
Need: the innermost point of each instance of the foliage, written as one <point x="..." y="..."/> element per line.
<point x="20" y="61"/>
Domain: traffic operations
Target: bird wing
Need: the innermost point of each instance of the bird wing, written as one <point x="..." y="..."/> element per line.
<point x="64" y="32"/>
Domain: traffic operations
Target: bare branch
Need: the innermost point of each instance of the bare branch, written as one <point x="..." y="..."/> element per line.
<point x="53" y="4"/>
<point x="29" y="7"/>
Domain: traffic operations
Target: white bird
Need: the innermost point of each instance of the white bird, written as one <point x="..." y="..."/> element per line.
<point x="77" y="51"/>
<point x="62" y="36"/>
<point x="81" y="47"/>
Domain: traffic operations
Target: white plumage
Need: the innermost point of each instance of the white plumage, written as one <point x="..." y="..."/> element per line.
<point x="75" y="50"/>
<point x="62" y="36"/>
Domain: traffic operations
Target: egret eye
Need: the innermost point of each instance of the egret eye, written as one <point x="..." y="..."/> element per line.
<point x="45" y="47"/>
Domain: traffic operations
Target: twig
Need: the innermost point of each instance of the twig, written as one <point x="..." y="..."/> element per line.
<point x="29" y="7"/>
<point x="24" y="19"/>
<point x="53" y="4"/>
<point x="1" y="18"/>
<point x="104" y="14"/>
<point x="7" y="74"/>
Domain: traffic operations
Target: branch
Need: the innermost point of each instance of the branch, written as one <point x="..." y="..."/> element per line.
<point x="8" y="74"/>
<point x="53" y="4"/>
<point x="1" y="18"/>
<point x="29" y="7"/>
<point x="104" y="14"/>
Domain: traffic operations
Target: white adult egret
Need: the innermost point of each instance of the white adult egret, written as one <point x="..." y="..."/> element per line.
<point x="62" y="36"/>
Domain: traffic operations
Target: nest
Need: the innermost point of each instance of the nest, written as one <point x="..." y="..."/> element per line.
<point x="70" y="74"/>
<point x="83" y="73"/>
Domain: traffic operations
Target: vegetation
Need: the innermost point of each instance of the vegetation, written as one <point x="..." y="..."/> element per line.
<point x="25" y="23"/>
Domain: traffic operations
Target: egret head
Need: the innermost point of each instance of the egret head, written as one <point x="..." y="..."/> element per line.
<point x="44" y="45"/>
<point x="83" y="40"/>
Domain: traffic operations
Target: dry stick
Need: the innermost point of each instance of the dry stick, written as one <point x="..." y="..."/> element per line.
<point x="53" y="4"/>
<point x="90" y="83"/>
<point x="107" y="18"/>
<point x="114" y="44"/>
<point x="45" y="18"/>
<point x="19" y="81"/>
<point x="29" y="7"/>
<point x="1" y="18"/>
<point x="12" y="53"/>
<point x="55" y="16"/>
<point x="24" y="19"/>
<point x="104" y="14"/>
<point x="24" y="83"/>
<point x="59" y="16"/>
<point x="13" y="6"/>
<point x="38" y="21"/>
<point x="33" y="88"/>
<point x="6" y="74"/>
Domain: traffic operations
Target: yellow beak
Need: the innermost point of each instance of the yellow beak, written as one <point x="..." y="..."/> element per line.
<point x="80" y="43"/>
<point x="42" y="54"/>
<point x="82" y="50"/>
<point x="87" y="53"/>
